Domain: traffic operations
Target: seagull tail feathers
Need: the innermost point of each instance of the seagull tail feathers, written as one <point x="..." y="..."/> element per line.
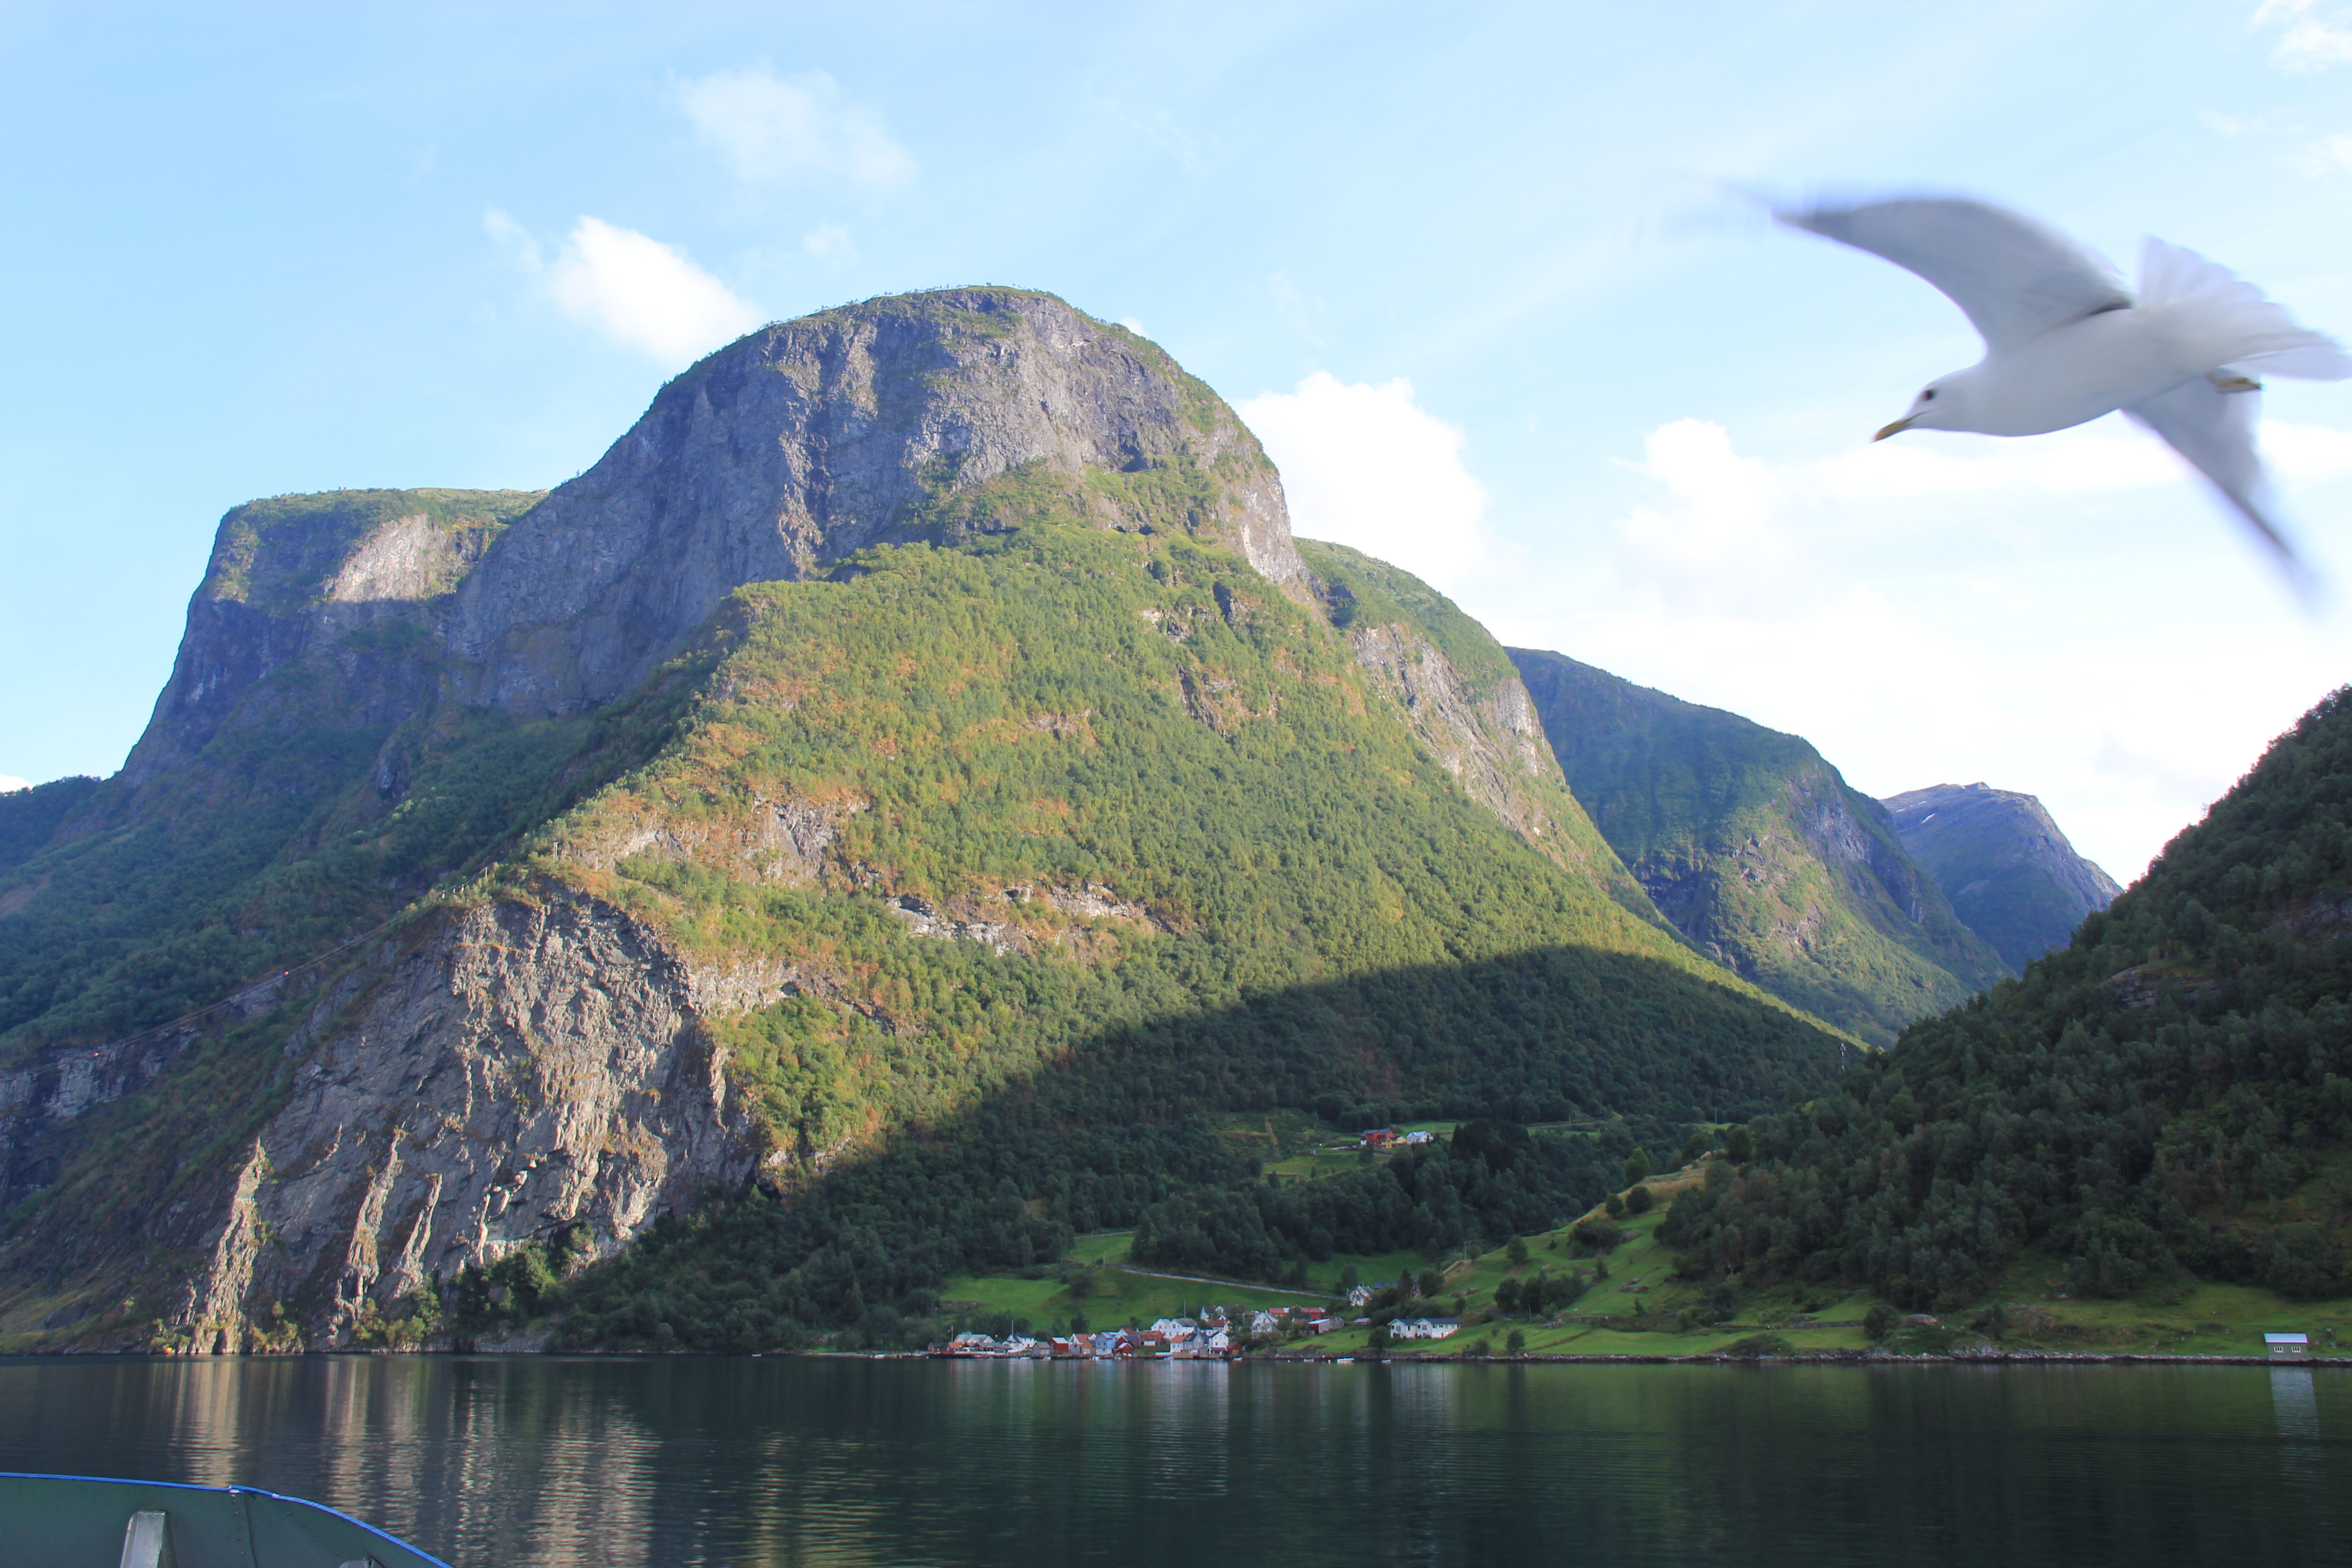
<point x="2253" y="334"/>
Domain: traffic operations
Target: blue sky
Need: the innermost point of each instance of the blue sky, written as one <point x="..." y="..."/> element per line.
<point x="1469" y="271"/>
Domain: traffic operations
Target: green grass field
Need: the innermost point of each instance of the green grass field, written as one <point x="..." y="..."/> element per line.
<point x="1646" y="1308"/>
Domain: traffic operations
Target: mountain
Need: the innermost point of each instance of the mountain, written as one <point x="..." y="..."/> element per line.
<point x="2166" y="1099"/>
<point x="2008" y="871"/>
<point x="1759" y="850"/>
<point x="871" y="826"/>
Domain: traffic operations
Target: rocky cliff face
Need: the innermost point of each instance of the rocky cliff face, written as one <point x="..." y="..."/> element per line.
<point x="1488" y="740"/>
<point x="2001" y="860"/>
<point x="779" y="455"/>
<point x="504" y="1074"/>
<point x="1757" y="850"/>
<point x="318" y="610"/>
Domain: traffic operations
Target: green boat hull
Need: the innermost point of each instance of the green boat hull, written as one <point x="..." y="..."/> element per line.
<point x="86" y="1521"/>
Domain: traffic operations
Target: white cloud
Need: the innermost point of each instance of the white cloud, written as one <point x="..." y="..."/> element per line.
<point x="2307" y="454"/>
<point x="1368" y="467"/>
<point x="1305" y="310"/>
<point x="1960" y="609"/>
<point x="827" y="239"/>
<point x="2222" y="125"/>
<point x="514" y="243"/>
<point x="1132" y="325"/>
<point x="630" y="286"/>
<point x="2328" y="156"/>
<point x="10" y="783"/>
<point x="2308" y="41"/>
<point x="774" y="128"/>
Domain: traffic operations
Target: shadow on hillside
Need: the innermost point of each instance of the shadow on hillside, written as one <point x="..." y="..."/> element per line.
<point x="1130" y="1119"/>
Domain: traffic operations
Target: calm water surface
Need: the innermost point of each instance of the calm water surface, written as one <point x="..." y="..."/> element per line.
<point x="689" y="1461"/>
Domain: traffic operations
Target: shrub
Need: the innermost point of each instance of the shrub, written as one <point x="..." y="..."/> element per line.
<point x="1597" y="1236"/>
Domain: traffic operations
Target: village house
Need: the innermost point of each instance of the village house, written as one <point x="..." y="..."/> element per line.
<point x="1413" y="1138"/>
<point x="2288" y="1345"/>
<point x="1423" y="1328"/>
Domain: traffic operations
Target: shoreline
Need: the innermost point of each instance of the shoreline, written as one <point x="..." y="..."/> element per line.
<point x="1623" y="1358"/>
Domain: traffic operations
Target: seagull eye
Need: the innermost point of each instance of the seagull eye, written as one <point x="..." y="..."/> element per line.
<point x="1929" y="396"/>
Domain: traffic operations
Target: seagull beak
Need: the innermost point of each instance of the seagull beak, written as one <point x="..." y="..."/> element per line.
<point x="1902" y="424"/>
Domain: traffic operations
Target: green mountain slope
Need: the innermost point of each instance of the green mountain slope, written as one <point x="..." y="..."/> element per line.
<point x="774" y="948"/>
<point x="2008" y="871"/>
<point x="1759" y="851"/>
<point x="2168" y="1097"/>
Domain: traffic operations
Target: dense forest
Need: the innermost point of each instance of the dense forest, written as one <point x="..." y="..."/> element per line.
<point x="2168" y="1096"/>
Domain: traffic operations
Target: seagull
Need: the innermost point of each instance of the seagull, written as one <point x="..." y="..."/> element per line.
<point x="2065" y="341"/>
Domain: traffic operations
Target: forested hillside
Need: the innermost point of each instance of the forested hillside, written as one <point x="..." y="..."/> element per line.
<point x="2168" y="1096"/>
<point x="1759" y="851"/>
<point x="776" y="871"/>
<point x="1139" y="846"/>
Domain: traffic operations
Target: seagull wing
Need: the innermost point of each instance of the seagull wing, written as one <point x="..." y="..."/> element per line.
<point x="2215" y="431"/>
<point x="2014" y="277"/>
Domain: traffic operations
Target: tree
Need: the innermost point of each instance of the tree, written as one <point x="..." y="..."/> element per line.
<point x="1516" y="1249"/>
<point x="1639" y="1200"/>
<point x="1695" y="1148"/>
<point x="1430" y="1280"/>
<point x="1739" y="1145"/>
<point x="1350" y="1278"/>
<point x="1516" y="1341"/>
<point x="1880" y="1320"/>
<point x="1637" y="1165"/>
<point x="1380" y="1339"/>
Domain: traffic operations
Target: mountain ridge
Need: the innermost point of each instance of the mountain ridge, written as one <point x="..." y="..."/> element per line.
<point x="2000" y="859"/>
<point x="1757" y="850"/>
<point x="1024" y="786"/>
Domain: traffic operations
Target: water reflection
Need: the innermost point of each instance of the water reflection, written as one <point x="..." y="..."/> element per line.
<point x="694" y="1461"/>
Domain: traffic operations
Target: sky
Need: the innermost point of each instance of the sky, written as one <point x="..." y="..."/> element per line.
<point x="1489" y="280"/>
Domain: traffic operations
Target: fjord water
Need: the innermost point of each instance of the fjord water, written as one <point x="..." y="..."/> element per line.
<point x="692" y="1460"/>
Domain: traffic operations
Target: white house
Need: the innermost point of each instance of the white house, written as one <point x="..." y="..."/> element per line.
<point x="1420" y="1137"/>
<point x="1422" y="1328"/>
<point x="2288" y="1345"/>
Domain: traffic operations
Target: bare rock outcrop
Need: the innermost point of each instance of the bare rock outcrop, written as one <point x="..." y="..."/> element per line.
<point x="346" y="587"/>
<point x="1490" y="742"/>
<point x="781" y="455"/>
<point x="516" y="1070"/>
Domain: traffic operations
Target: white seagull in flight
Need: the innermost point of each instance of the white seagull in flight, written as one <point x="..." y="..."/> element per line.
<point x="2065" y="341"/>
